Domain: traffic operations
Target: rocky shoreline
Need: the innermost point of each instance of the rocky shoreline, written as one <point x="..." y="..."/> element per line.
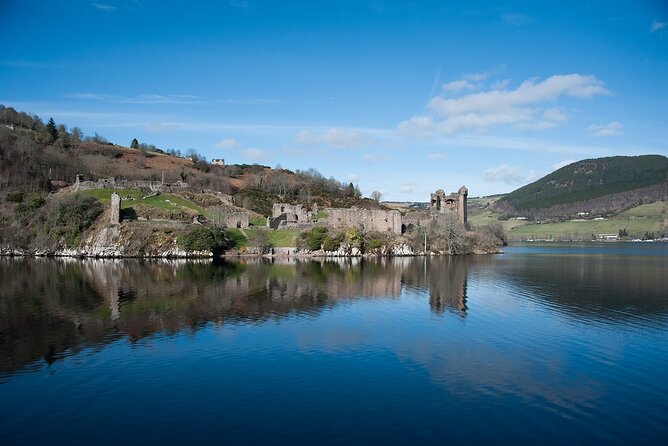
<point x="177" y="253"/>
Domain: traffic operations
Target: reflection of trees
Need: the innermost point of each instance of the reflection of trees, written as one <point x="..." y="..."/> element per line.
<point x="50" y="307"/>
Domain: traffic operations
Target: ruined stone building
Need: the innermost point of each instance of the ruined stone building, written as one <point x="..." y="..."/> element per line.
<point x="237" y="220"/>
<point x="439" y="208"/>
<point x="454" y="203"/>
<point x="285" y="215"/>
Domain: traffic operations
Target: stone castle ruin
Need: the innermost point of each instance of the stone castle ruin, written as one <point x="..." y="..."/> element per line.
<point x="440" y="206"/>
<point x="455" y="203"/>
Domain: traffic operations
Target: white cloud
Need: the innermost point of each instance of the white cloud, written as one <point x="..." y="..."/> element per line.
<point x="560" y="164"/>
<point x="503" y="174"/>
<point x="436" y="156"/>
<point x="228" y="143"/>
<point x="256" y="154"/>
<point x="334" y="138"/>
<point x="354" y="178"/>
<point x="610" y="129"/>
<point x="657" y="25"/>
<point x="554" y="114"/>
<point x="407" y="188"/>
<point x="458" y="85"/>
<point x="493" y="108"/>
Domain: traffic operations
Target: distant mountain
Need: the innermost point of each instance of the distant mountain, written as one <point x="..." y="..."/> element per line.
<point x="599" y="185"/>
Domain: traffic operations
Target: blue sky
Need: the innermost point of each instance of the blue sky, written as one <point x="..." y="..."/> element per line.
<point x="401" y="97"/>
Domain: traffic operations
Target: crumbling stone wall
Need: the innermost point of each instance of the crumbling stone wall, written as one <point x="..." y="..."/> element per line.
<point x="111" y="183"/>
<point x="373" y="220"/>
<point x="288" y="215"/>
<point x="237" y="220"/>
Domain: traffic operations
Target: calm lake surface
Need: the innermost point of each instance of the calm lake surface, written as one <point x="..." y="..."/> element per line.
<point x="543" y="344"/>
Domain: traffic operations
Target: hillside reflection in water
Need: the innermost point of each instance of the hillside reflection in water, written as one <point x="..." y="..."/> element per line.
<point x="51" y="306"/>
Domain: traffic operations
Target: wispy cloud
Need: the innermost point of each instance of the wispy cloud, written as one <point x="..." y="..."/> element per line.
<point x="105" y="7"/>
<point x="407" y="188"/>
<point x="354" y="178"/>
<point x="436" y="156"/>
<point x="504" y="174"/>
<point x="256" y="154"/>
<point x="239" y="4"/>
<point x="462" y="84"/>
<point x="228" y="143"/>
<point x="515" y="19"/>
<point x="333" y="138"/>
<point x="139" y="99"/>
<point x="657" y="25"/>
<point x="560" y="164"/>
<point x="160" y="127"/>
<point x="374" y="158"/>
<point x="524" y="106"/>
<point x="610" y="129"/>
<point x="28" y="64"/>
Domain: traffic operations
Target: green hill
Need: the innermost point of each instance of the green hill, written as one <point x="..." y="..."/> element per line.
<point x="587" y="180"/>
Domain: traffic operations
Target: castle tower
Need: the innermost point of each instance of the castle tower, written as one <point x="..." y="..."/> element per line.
<point x="115" y="209"/>
<point x="461" y="211"/>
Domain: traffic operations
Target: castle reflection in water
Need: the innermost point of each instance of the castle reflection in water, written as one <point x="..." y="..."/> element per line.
<point x="53" y="306"/>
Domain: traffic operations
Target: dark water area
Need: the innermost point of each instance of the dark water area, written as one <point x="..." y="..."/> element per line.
<point x="546" y="344"/>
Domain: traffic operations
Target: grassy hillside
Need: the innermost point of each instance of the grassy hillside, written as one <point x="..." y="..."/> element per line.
<point x="589" y="179"/>
<point x="40" y="158"/>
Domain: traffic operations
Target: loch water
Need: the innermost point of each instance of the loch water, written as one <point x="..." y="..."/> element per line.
<point x="544" y="344"/>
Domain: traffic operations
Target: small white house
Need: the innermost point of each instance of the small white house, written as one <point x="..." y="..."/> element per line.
<point x="218" y="161"/>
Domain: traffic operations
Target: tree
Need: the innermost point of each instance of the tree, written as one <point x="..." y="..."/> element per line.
<point x="134" y="144"/>
<point x="377" y="195"/>
<point x="76" y="133"/>
<point x="51" y="130"/>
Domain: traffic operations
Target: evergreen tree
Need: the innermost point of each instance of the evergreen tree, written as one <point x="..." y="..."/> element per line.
<point x="51" y="130"/>
<point x="134" y="144"/>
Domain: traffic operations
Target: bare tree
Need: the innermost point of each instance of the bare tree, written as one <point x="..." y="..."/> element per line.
<point x="377" y="195"/>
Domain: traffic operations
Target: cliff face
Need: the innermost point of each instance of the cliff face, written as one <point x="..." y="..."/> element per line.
<point x="129" y="239"/>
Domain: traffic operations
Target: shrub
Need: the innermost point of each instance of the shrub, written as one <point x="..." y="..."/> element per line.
<point x="72" y="216"/>
<point x="331" y="243"/>
<point x="15" y="197"/>
<point x="354" y="238"/>
<point x="314" y="238"/>
<point x="204" y="239"/>
<point x="374" y="242"/>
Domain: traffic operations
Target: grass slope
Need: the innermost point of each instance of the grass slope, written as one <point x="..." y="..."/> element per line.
<point x="163" y="201"/>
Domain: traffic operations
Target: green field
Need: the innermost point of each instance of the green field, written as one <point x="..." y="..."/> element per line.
<point x="162" y="201"/>
<point x="279" y="239"/>
<point x="637" y="221"/>
<point x="647" y="218"/>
